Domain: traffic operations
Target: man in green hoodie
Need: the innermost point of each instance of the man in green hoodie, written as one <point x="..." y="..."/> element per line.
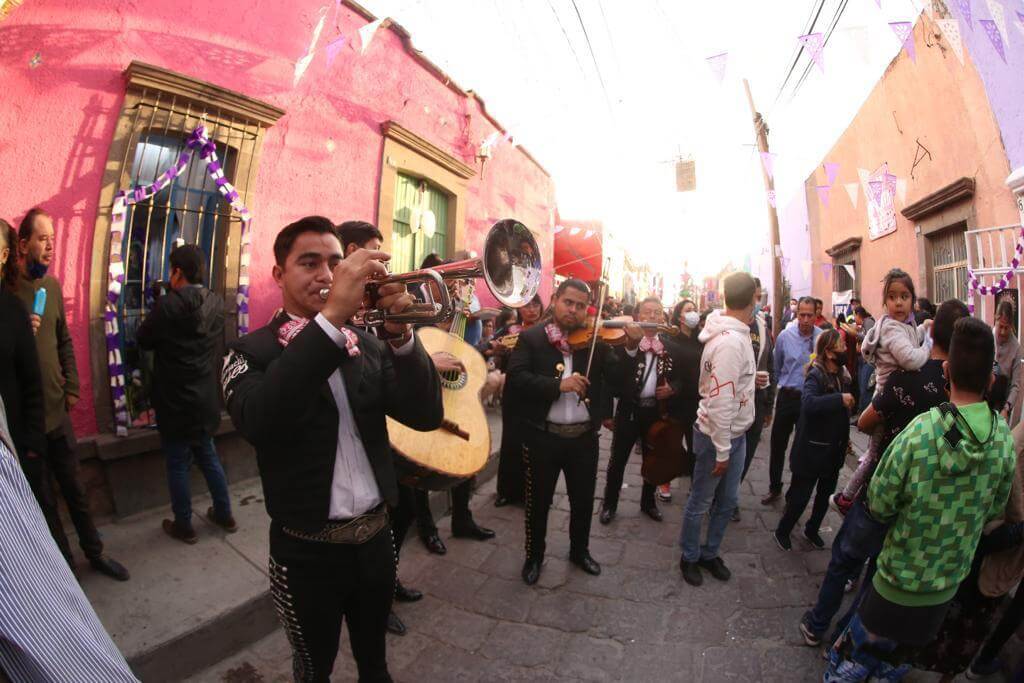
<point x="940" y="481"/>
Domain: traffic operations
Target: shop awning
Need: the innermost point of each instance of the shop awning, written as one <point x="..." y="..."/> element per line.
<point x="578" y="251"/>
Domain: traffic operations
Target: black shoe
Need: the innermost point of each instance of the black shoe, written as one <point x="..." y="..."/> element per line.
<point x="434" y="544"/>
<point x="180" y="532"/>
<point x="691" y="572"/>
<point x="472" y="530"/>
<point x="607" y="515"/>
<point x="773" y="495"/>
<point x="586" y="563"/>
<point x="782" y="540"/>
<point x="717" y="568"/>
<point x="395" y="625"/>
<point x="815" y="539"/>
<point x="228" y="523"/>
<point x="652" y="511"/>
<point x="403" y="594"/>
<point x="110" y="567"/>
<point x="531" y="571"/>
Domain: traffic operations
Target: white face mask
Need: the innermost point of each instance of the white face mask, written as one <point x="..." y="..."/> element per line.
<point x="691" y="319"/>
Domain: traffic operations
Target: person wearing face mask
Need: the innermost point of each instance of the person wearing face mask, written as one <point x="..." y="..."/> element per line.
<point x="687" y="319"/>
<point x="822" y="433"/>
<point x="60" y="389"/>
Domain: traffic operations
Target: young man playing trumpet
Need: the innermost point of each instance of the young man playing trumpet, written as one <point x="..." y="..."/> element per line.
<point x="310" y="393"/>
<point x="646" y="376"/>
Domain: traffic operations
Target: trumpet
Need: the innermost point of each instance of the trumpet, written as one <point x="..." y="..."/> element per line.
<point x="510" y="265"/>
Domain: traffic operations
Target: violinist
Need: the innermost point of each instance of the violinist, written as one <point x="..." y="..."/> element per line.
<point x="511" y="480"/>
<point x="649" y="371"/>
<point x="559" y="393"/>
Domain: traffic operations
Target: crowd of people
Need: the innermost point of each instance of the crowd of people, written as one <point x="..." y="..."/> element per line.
<point x="933" y="513"/>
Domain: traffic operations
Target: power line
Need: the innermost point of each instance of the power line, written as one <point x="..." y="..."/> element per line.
<point x="808" y="28"/>
<point x="590" y="47"/>
<point x="835" y="21"/>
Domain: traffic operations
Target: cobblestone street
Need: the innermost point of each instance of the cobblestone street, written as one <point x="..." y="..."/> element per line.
<point x="638" y="621"/>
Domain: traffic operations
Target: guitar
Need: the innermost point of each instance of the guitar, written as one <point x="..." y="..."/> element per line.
<point x="459" y="449"/>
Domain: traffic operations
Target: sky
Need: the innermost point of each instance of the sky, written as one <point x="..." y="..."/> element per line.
<point x="606" y="94"/>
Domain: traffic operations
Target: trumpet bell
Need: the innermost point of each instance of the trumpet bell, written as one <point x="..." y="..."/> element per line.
<point x="511" y="263"/>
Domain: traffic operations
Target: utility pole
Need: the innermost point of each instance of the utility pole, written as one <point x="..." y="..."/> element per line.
<point x="761" y="130"/>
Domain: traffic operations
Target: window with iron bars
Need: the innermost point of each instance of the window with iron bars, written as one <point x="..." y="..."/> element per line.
<point x="161" y="110"/>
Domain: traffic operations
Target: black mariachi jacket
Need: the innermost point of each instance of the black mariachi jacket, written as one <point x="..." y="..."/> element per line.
<point x="628" y="378"/>
<point x="280" y="401"/>
<point x="534" y="375"/>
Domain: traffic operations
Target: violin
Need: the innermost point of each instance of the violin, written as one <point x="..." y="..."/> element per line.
<point x="612" y="331"/>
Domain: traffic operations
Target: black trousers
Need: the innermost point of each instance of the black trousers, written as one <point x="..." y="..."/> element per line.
<point x="787" y="412"/>
<point x="545" y="456"/>
<point x="754" y="433"/>
<point x="511" y="478"/>
<point x="631" y="424"/>
<point x="801" y="487"/>
<point x="61" y="462"/>
<point x="317" y="585"/>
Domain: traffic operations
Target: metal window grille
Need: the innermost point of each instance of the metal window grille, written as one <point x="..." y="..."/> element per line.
<point x="413" y="198"/>
<point x="189" y="211"/>
<point x="949" y="264"/>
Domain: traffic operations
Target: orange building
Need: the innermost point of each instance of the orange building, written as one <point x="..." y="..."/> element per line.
<point x="931" y="127"/>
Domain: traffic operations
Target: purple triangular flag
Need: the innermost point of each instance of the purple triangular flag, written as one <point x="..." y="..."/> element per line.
<point x="717" y="64"/>
<point x="823" y="193"/>
<point x="877" y="188"/>
<point x="965" y="12"/>
<point x="994" y="35"/>
<point x="333" y="48"/>
<point x="815" y="43"/>
<point x="831" y="171"/>
<point x="768" y="159"/>
<point x="771" y="198"/>
<point x="904" y="30"/>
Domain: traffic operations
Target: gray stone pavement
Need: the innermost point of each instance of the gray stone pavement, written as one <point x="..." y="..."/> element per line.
<point x="638" y="621"/>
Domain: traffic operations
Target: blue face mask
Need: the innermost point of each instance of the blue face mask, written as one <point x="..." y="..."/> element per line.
<point x="35" y="270"/>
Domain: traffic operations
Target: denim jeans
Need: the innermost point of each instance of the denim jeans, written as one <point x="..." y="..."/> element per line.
<point x="859" y="538"/>
<point x="705" y="488"/>
<point x="179" y="456"/>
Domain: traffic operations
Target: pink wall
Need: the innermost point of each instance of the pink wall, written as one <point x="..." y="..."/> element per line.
<point x="58" y="118"/>
<point x="940" y="103"/>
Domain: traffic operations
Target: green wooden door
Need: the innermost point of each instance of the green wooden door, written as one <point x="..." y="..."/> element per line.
<point x="409" y="248"/>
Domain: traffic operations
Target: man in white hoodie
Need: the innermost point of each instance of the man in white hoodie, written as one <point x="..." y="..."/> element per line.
<point x="725" y="413"/>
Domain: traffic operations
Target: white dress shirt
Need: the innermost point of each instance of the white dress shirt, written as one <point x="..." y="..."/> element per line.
<point x="651" y="385"/>
<point x="568" y="409"/>
<point x="354" y="489"/>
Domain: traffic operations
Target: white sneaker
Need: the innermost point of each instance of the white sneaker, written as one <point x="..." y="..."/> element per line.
<point x="665" y="493"/>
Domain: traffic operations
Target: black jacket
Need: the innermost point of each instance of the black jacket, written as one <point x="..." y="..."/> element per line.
<point x="20" y="381"/>
<point x="279" y="399"/>
<point x="186" y="330"/>
<point x="626" y="380"/>
<point x="823" y="429"/>
<point x="686" y="353"/>
<point x="533" y="378"/>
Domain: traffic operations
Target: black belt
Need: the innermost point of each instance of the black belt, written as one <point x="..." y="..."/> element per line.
<point x="569" y="431"/>
<point x="356" y="530"/>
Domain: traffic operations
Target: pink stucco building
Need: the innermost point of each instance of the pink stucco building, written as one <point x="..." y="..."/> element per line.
<point x="101" y="95"/>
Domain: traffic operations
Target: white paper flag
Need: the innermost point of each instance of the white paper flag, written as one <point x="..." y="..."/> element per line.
<point x="901" y="190"/>
<point x="307" y="59"/>
<point x="853" y="189"/>
<point x="998" y="13"/>
<point x="849" y="269"/>
<point x="366" y="34"/>
<point x="951" y="30"/>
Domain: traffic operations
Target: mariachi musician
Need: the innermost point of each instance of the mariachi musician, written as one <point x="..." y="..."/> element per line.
<point x="559" y="402"/>
<point x="649" y="373"/>
<point x="311" y="393"/>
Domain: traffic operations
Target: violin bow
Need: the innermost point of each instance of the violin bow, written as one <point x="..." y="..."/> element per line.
<point x="597" y="323"/>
